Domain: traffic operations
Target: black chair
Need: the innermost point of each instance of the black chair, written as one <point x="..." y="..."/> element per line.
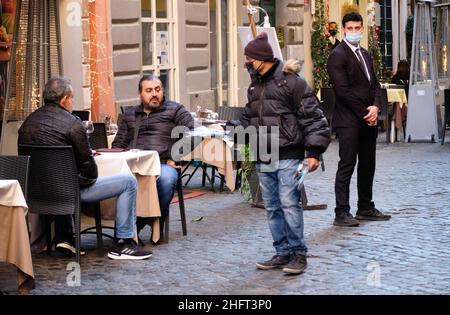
<point x="327" y="103"/>
<point x="99" y="139"/>
<point x="446" y="120"/>
<point x="182" y="211"/>
<point x="230" y="113"/>
<point x="53" y="186"/>
<point x="123" y="109"/>
<point x="83" y="114"/>
<point x="383" y="116"/>
<point x="15" y="167"/>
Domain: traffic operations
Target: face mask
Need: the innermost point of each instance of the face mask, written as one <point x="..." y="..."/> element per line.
<point x="249" y="66"/>
<point x="333" y="32"/>
<point x="354" y="38"/>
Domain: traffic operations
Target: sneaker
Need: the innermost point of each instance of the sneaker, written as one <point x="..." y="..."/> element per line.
<point x="129" y="250"/>
<point x="296" y="265"/>
<point x="275" y="262"/>
<point x="345" y="219"/>
<point x="69" y="249"/>
<point x="372" y="215"/>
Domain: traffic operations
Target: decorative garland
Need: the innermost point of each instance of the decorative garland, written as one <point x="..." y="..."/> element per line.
<point x="374" y="44"/>
<point x="319" y="47"/>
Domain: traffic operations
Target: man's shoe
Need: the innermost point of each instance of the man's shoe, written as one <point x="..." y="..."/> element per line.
<point x="296" y="265"/>
<point x="129" y="250"/>
<point x="69" y="249"/>
<point x="372" y="215"/>
<point x="345" y="219"/>
<point x="275" y="262"/>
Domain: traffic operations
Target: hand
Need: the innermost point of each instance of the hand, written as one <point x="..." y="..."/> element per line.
<point x="372" y="117"/>
<point x="313" y="164"/>
<point x="172" y="163"/>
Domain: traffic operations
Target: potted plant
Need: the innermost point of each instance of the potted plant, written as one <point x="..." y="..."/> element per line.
<point x="250" y="181"/>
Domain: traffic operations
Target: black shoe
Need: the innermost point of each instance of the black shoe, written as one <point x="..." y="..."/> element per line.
<point x="68" y="249"/>
<point x="345" y="219"/>
<point x="296" y="265"/>
<point x="129" y="250"/>
<point x="372" y="215"/>
<point x="275" y="262"/>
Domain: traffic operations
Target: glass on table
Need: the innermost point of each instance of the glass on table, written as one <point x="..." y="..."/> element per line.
<point x="113" y="128"/>
<point x="89" y="126"/>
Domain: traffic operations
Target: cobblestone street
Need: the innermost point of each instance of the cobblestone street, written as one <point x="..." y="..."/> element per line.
<point x="409" y="254"/>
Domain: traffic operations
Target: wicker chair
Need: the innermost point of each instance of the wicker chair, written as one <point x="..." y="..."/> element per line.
<point x="53" y="187"/>
<point x="83" y="114"/>
<point x="98" y="139"/>
<point x="15" y="167"/>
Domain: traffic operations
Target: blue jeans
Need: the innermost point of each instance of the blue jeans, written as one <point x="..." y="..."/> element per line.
<point x="281" y="200"/>
<point x="166" y="184"/>
<point x="122" y="186"/>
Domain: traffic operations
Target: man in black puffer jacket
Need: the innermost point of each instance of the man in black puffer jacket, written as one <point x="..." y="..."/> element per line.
<point x="279" y="99"/>
<point x="155" y="118"/>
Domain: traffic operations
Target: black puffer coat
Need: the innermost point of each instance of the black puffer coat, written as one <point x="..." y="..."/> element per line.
<point x="53" y="125"/>
<point x="155" y="129"/>
<point x="283" y="99"/>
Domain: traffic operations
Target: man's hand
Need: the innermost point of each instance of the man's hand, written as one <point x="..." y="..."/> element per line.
<point x="172" y="163"/>
<point x="372" y="117"/>
<point x="313" y="163"/>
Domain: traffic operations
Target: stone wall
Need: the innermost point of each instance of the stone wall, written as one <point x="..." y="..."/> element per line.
<point x="127" y="60"/>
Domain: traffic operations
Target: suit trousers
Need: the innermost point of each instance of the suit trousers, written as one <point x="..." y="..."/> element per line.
<point x="356" y="145"/>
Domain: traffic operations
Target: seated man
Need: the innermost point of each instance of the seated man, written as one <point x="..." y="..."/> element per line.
<point x="53" y="124"/>
<point x="154" y="120"/>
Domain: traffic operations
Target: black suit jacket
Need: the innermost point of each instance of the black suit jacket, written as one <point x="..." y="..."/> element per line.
<point x="353" y="91"/>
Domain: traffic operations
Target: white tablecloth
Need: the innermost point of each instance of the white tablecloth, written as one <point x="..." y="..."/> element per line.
<point x="11" y="194"/>
<point x="145" y="163"/>
<point x="146" y="166"/>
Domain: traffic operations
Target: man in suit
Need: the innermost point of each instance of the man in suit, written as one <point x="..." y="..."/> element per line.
<point x="357" y="91"/>
<point x="333" y="42"/>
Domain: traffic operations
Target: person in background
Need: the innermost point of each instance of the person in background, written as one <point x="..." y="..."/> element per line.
<point x="54" y="125"/>
<point x="401" y="77"/>
<point x="332" y="35"/>
<point x="155" y="118"/>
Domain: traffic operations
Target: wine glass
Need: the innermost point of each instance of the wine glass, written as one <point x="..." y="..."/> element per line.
<point x="113" y="128"/>
<point x="89" y="126"/>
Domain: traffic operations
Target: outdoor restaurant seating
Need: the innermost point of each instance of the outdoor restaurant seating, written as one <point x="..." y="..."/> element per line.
<point x="53" y="187"/>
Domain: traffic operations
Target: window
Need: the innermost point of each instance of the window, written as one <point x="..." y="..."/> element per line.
<point x="219" y="49"/>
<point x="386" y="32"/>
<point x="159" y="52"/>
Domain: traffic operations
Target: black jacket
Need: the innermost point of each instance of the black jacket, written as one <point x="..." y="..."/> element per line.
<point x="283" y="99"/>
<point x="155" y="129"/>
<point x="354" y="93"/>
<point x="52" y="125"/>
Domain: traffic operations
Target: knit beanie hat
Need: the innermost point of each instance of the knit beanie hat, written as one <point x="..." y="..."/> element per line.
<point x="259" y="48"/>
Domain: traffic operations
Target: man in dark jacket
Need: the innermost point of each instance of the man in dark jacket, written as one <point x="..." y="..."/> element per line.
<point x="355" y="120"/>
<point x="149" y="126"/>
<point x="54" y="125"/>
<point x="278" y="98"/>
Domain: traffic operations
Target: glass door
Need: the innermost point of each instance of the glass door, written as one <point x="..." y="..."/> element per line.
<point x="159" y="51"/>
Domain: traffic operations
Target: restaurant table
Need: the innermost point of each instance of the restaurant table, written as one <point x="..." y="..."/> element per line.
<point x="400" y="106"/>
<point x="14" y="239"/>
<point x="146" y="167"/>
<point x="217" y="152"/>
